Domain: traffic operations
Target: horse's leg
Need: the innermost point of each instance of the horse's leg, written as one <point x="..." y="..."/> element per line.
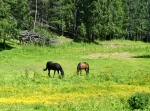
<point x="77" y="72"/>
<point x="86" y="71"/>
<point x="80" y="72"/>
<point x="49" y="73"/>
<point x="58" y="72"/>
<point x="54" y="73"/>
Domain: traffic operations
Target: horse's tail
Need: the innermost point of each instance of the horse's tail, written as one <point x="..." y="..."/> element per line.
<point x="46" y="67"/>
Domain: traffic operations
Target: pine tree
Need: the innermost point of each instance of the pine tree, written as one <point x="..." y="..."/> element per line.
<point x="8" y="24"/>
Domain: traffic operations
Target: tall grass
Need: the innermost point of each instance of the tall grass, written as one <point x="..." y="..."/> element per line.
<point x="118" y="69"/>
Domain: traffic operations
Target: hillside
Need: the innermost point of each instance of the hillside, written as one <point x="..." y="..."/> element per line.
<point x="118" y="69"/>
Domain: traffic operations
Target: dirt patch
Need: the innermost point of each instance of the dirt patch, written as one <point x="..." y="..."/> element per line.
<point x="110" y="55"/>
<point x="63" y="40"/>
<point x="115" y="45"/>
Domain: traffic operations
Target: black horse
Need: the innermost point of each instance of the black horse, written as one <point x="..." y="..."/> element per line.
<point x="81" y="66"/>
<point x="54" y="66"/>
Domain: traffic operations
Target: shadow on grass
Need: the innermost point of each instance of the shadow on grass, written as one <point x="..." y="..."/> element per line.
<point x="79" y="40"/>
<point x="142" y="56"/>
<point x="5" y="47"/>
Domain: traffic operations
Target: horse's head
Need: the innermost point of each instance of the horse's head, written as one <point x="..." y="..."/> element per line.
<point x="58" y="67"/>
<point x="62" y="73"/>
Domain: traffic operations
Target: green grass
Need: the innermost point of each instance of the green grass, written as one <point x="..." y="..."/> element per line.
<point x="118" y="69"/>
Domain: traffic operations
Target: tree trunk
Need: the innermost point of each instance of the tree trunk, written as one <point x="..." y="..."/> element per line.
<point x="4" y="43"/>
<point x="75" y="18"/>
<point x="35" y="16"/>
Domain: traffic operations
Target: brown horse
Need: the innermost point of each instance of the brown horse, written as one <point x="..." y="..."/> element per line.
<point x="81" y="66"/>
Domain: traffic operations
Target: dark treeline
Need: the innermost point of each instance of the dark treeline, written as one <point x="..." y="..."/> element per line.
<point x="88" y="19"/>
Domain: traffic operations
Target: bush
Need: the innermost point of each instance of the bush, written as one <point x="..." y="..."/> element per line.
<point x="139" y="100"/>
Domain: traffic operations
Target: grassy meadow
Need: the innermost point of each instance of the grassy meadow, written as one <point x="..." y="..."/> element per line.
<point x="118" y="69"/>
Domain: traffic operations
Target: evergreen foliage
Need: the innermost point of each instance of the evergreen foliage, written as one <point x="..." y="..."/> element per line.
<point x="90" y="20"/>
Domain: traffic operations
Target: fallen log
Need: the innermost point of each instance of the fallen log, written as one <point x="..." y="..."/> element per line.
<point x="27" y="37"/>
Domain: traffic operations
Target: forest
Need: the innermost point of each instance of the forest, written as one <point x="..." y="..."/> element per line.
<point x="87" y="19"/>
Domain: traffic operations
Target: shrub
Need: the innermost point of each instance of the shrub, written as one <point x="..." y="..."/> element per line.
<point x="139" y="100"/>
